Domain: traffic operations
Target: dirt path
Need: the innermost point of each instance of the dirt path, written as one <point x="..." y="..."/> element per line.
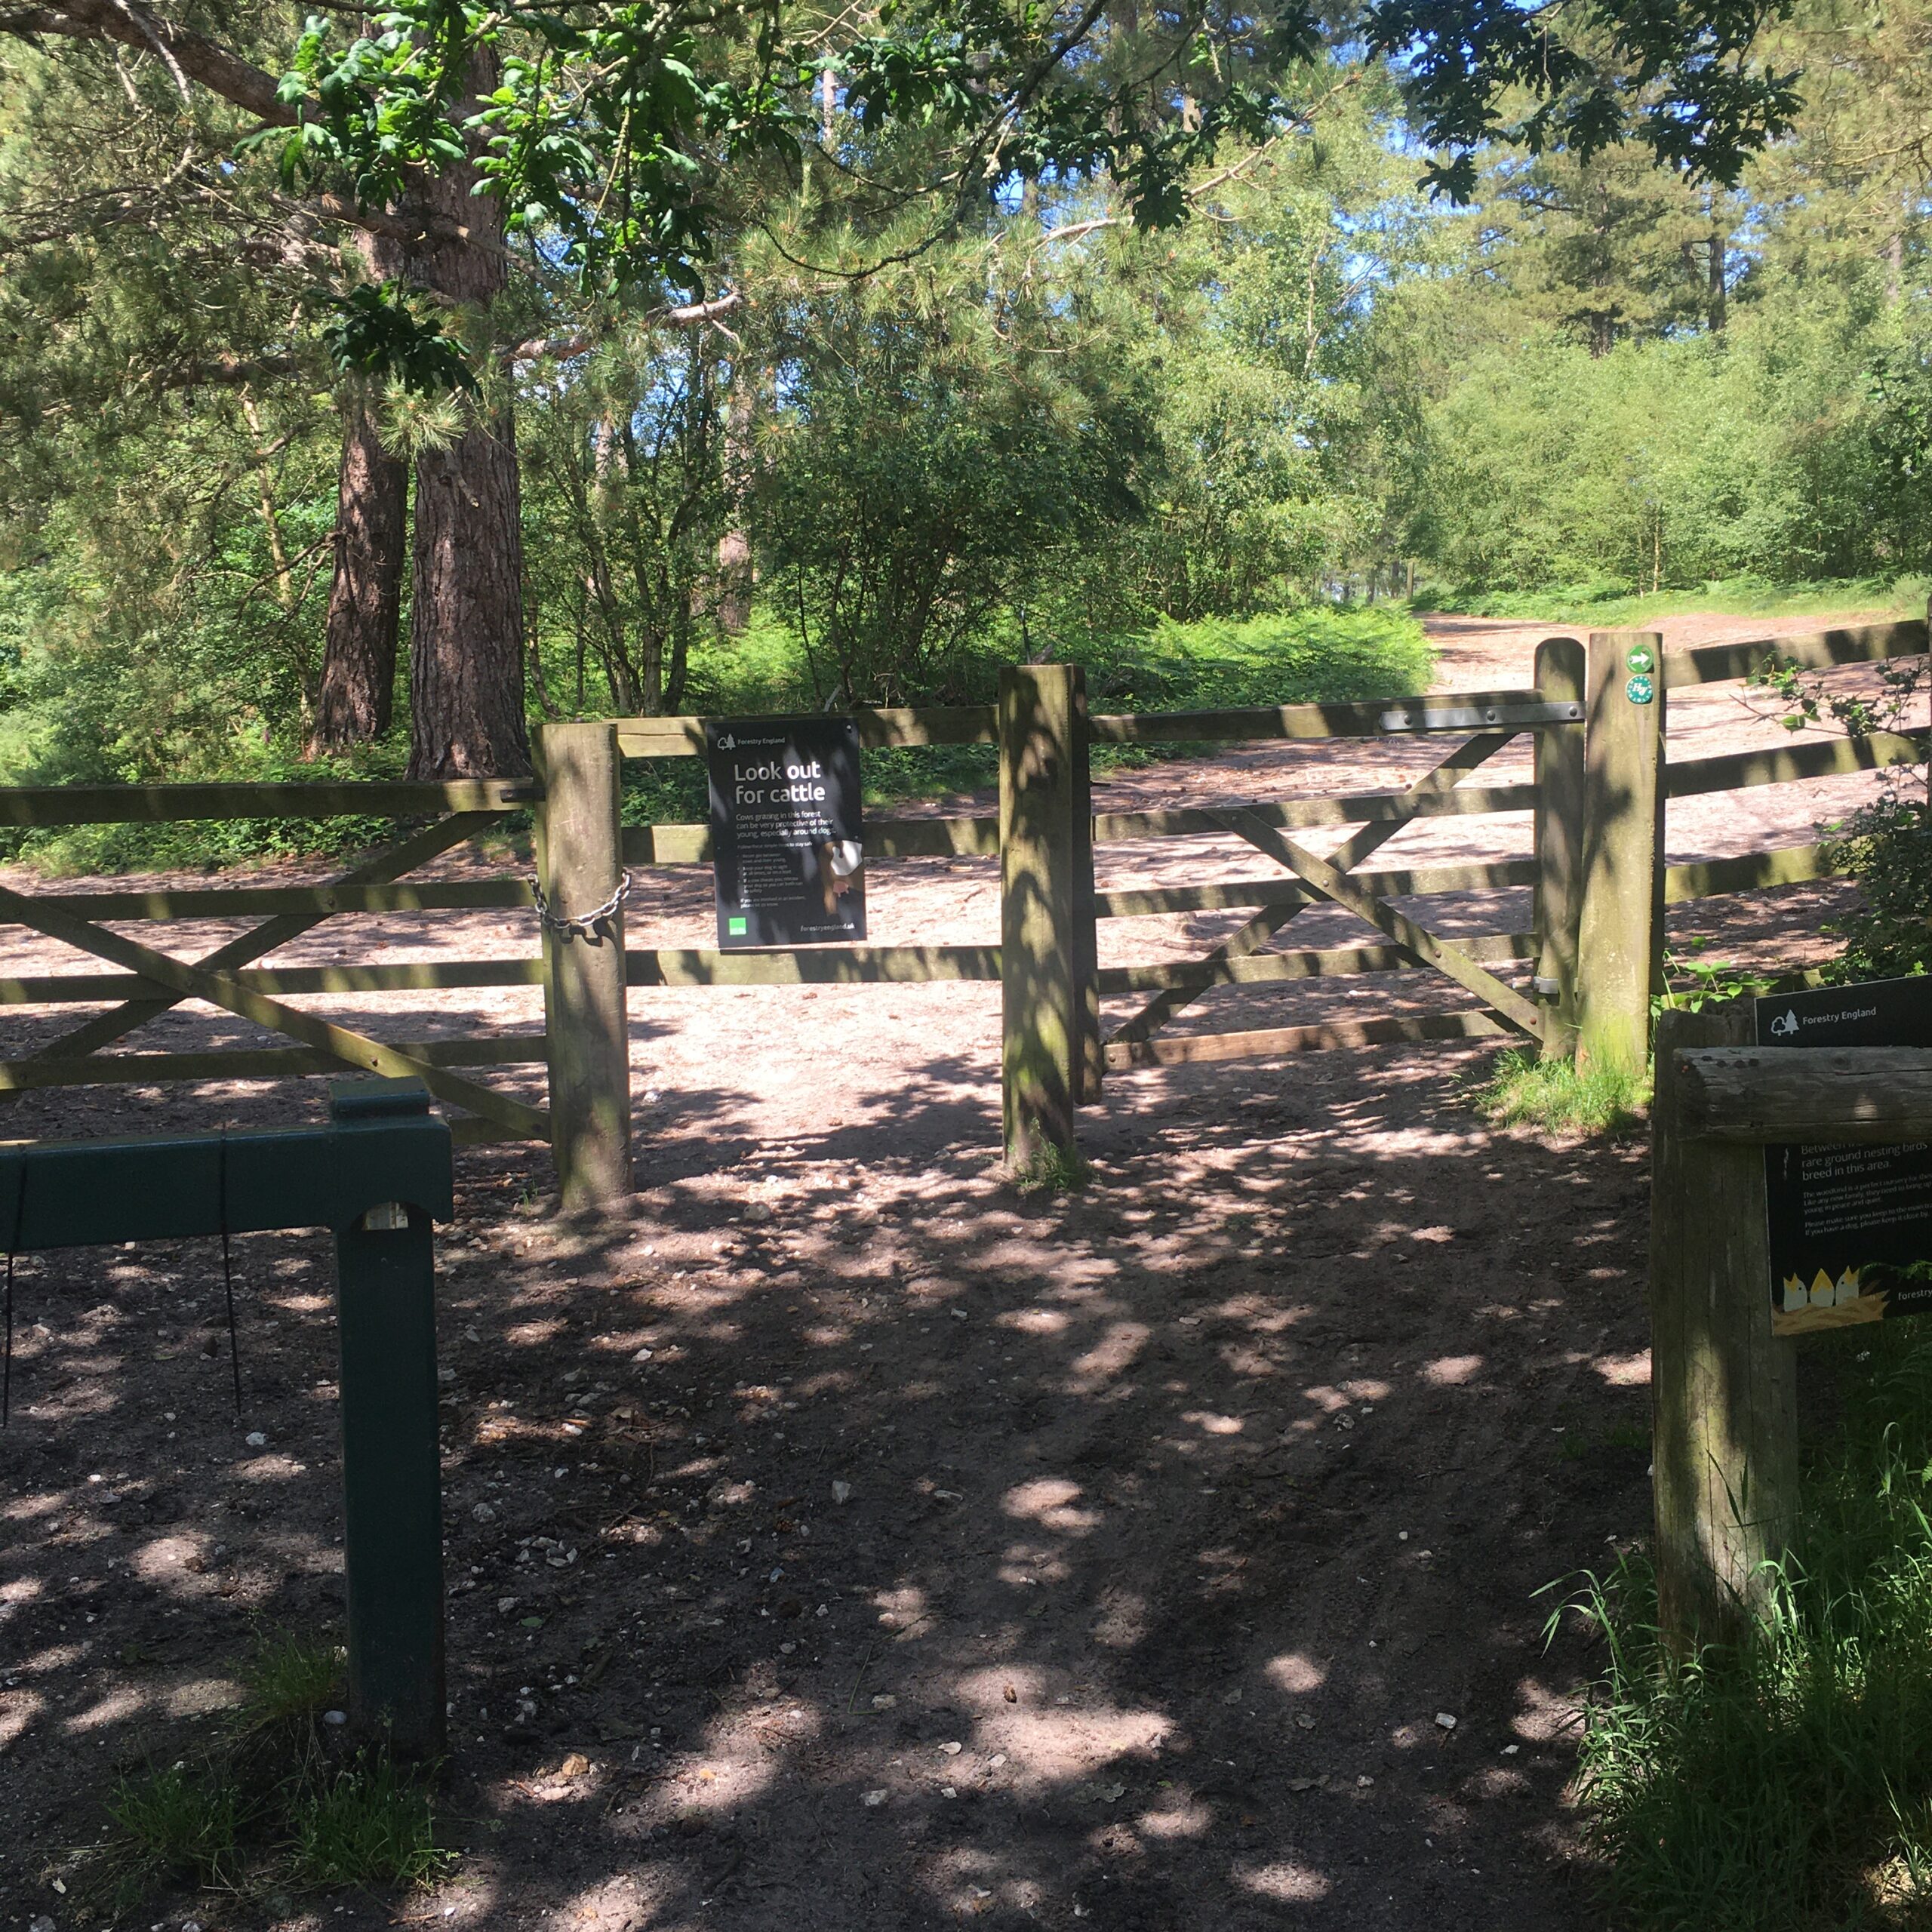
<point x="918" y="1552"/>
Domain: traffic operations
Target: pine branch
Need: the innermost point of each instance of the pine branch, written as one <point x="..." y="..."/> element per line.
<point x="207" y="61"/>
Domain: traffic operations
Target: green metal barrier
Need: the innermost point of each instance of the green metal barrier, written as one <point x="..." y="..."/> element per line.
<point x="378" y="1176"/>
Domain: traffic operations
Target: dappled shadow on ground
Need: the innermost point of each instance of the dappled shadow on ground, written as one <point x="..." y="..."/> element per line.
<point x="854" y="1539"/>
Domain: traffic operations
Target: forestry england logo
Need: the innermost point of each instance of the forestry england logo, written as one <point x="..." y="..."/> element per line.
<point x="1785" y="1026"/>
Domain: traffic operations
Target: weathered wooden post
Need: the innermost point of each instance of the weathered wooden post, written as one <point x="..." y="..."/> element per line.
<point x="1724" y="1413"/>
<point x="579" y="871"/>
<point x="1047" y="1001"/>
<point x="1619" y="964"/>
<point x="1559" y="916"/>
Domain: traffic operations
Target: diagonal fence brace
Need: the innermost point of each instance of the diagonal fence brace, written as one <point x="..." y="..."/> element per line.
<point x="1360" y="845"/>
<point x="224" y="990"/>
<point x="1422" y="946"/>
<point x="379" y="869"/>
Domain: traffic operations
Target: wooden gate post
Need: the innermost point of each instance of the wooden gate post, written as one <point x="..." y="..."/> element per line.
<point x="1723" y="1414"/>
<point x="1048" y="993"/>
<point x="1559" y="845"/>
<point x="1620" y="965"/>
<point x="580" y="866"/>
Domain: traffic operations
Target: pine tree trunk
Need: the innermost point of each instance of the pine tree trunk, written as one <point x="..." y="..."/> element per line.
<point x="358" y="689"/>
<point x="365" y="597"/>
<point x="465" y="631"/>
<point x="736" y="572"/>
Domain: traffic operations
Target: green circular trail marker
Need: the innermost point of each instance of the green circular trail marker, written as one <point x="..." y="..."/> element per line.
<point x="1640" y="691"/>
<point x="1642" y="658"/>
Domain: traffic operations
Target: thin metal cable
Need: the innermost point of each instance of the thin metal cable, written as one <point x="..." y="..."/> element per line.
<point x="228" y="1280"/>
<point x="12" y="1243"/>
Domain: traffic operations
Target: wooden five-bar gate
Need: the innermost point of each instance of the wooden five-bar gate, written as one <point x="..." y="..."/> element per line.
<point x="1580" y="978"/>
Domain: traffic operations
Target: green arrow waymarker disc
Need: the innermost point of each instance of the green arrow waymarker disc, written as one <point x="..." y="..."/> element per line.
<point x="1642" y="658"/>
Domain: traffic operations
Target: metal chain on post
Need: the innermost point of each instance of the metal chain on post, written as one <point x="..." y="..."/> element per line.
<point x="588" y="925"/>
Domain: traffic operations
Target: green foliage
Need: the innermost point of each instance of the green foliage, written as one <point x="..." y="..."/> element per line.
<point x="1673" y="463"/>
<point x="1693" y="983"/>
<point x="273" y="1803"/>
<point x="1558" y="1097"/>
<point x="1052" y="1170"/>
<point x="178" y="1825"/>
<point x="287" y="1684"/>
<point x="1612" y="604"/>
<point x="375" y="330"/>
<point x="1783" y="1788"/>
<point x="1322" y="655"/>
<point x="1887" y="848"/>
<point x="365" y="1825"/>
<point x="897" y="564"/>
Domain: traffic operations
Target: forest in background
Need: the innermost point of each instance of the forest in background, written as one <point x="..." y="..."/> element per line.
<point x="1226" y="456"/>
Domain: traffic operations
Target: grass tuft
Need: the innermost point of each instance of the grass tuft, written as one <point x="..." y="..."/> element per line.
<point x="274" y="1804"/>
<point x="1558" y="1097"/>
<point x="1052" y="1169"/>
<point x="287" y="1684"/>
<point x="1786" y="1786"/>
<point x="367" y="1825"/>
<point x="178" y="1825"/>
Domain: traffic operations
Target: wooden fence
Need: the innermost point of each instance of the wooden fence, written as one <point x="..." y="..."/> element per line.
<point x="1593" y="951"/>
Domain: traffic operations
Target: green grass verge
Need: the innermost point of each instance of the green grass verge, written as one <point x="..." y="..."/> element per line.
<point x="1611" y="605"/>
<point x="1787" y="1786"/>
<point x="1324" y="655"/>
<point x="1557" y="1096"/>
<point x="272" y="1805"/>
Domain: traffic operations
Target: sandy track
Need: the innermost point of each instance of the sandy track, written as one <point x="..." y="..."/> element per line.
<point x="1181" y="1507"/>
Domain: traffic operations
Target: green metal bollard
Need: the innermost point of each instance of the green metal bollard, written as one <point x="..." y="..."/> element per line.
<point x="392" y="1485"/>
<point x="377" y="1175"/>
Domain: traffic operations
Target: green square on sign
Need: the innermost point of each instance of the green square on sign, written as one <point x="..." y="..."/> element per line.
<point x="735" y="927"/>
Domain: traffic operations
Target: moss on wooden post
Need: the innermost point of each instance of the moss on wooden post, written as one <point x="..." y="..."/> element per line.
<point x="1559" y="846"/>
<point x="1619" y="964"/>
<point x="578" y="866"/>
<point x="1048" y="992"/>
<point x="1723" y="1387"/>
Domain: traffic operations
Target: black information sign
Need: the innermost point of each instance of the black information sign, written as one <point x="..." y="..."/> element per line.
<point x="787" y="846"/>
<point x="1848" y="1225"/>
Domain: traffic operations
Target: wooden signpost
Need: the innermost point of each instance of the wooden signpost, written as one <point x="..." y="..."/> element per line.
<point x="1724" y="1402"/>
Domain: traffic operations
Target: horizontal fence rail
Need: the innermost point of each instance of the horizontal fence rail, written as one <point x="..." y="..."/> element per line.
<point x="398" y="976"/>
<point x="219" y="902"/>
<point x="978" y="724"/>
<point x="160" y="805"/>
<point x="1814" y="651"/>
<point x="1261" y="968"/>
<point x="1736" y="771"/>
<point x="254" y="1062"/>
<point x="800" y="966"/>
<point x="1749" y="871"/>
<point x="582" y="848"/>
<point x="1190" y="1049"/>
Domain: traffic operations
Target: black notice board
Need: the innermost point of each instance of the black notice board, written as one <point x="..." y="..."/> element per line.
<point x="1847" y="1223"/>
<point x="787" y="838"/>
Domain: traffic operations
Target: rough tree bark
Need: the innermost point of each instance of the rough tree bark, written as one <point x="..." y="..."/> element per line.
<point x="365" y="595"/>
<point x="736" y="572"/>
<point x="358" y="689"/>
<point x="466" y="628"/>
